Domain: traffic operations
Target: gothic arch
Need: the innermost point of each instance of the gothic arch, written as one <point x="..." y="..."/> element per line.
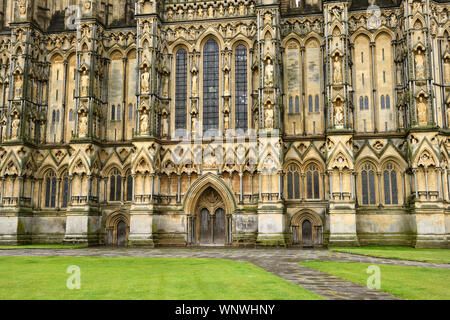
<point x="203" y="183"/>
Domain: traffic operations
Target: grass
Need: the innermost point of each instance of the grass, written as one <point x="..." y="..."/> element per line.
<point x="414" y="283"/>
<point x="142" y="278"/>
<point x="405" y="253"/>
<point x="43" y="246"/>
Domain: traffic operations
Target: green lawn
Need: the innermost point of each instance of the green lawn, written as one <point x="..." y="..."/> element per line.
<point x="406" y="253"/>
<point x="413" y="283"/>
<point x="142" y="278"/>
<point x="43" y="246"/>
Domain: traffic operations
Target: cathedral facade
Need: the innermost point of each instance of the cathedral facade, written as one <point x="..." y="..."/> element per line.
<point x="229" y="123"/>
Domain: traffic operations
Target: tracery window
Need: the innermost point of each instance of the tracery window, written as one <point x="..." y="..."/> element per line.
<point x="368" y="184"/>
<point x="129" y="188"/>
<point x="113" y="112"/>
<point x="390" y="184"/>
<point x="210" y="86"/>
<point x="241" y="102"/>
<point x="50" y="190"/>
<point x="293" y="182"/>
<point x="115" y="186"/>
<point x="312" y="182"/>
<point x="65" y="192"/>
<point x="181" y="89"/>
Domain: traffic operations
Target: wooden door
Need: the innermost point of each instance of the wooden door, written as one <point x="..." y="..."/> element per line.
<point x="205" y="227"/>
<point x="121" y="233"/>
<point x="306" y="233"/>
<point x="219" y="227"/>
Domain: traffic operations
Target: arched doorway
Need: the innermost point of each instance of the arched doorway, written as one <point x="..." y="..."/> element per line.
<point x="209" y="225"/>
<point x="306" y="228"/>
<point x="117" y="229"/>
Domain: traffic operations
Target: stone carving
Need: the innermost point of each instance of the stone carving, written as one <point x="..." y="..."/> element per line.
<point x="447" y="69"/>
<point x="145" y="81"/>
<point x="338" y="112"/>
<point x="337" y="68"/>
<point x="419" y="60"/>
<point x="18" y="83"/>
<point x="422" y="114"/>
<point x="268" y="73"/>
<point x="226" y="81"/>
<point x="194" y="82"/>
<point x="15" y="125"/>
<point x="165" y="123"/>
<point x="143" y="122"/>
<point x="22" y="5"/>
<point x="84" y="83"/>
<point x="82" y="124"/>
<point x="268" y="119"/>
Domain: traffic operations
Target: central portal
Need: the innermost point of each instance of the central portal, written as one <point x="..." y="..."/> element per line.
<point x="210" y="223"/>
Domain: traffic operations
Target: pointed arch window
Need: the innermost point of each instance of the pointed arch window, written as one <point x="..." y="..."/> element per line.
<point x="130" y="112"/>
<point x="65" y="192"/>
<point x="388" y="102"/>
<point x="310" y="103"/>
<point x="366" y="103"/>
<point x="361" y="103"/>
<point x="368" y="184"/>
<point x="293" y="182"/>
<point x="119" y="112"/>
<point x="129" y="188"/>
<point x="291" y="105"/>
<point x="316" y="103"/>
<point x="50" y="190"/>
<point x="210" y="86"/>
<point x="115" y="186"/>
<point x="312" y="182"/>
<point x="113" y="112"/>
<point x="382" y="102"/>
<point x="181" y="89"/>
<point x="297" y="105"/>
<point x="241" y="102"/>
<point x="390" y="184"/>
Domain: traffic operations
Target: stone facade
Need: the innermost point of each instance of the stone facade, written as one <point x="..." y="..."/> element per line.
<point x="240" y="122"/>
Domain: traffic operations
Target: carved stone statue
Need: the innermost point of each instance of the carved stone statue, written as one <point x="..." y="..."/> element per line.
<point x="82" y="125"/>
<point x="337" y="69"/>
<point x="422" y="116"/>
<point x="165" y="90"/>
<point x="420" y="64"/>
<point x="165" y="125"/>
<point x="143" y="126"/>
<point x="447" y="70"/>
<point x="226" y="82"/>
<point x="4" y="129"/>
<point x="194" y="82"/>
<point x="22" y="4"/>
<point x="18" y="83"/>
<point x="268" y="73"/>
<point x="338" y="112"/>
<point x="84" y="83"/>
<point x="268" y="119"/>
<point x="15" y="126"/>
<point x="145" y="78"/>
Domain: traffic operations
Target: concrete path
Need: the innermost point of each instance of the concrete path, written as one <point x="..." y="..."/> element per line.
<point x="281" y="262"/>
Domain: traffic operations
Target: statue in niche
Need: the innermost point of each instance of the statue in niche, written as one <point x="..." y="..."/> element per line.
<point x="420" y="64"/>
<point x="82" y="124"/>
<point x="165" y="90"/>
<point x="200" y="12"/>
<point x="221" y="10"/>
<point x="22" y="7"/>
<point x="422" y="116"/>
<point x="338" y="112"/>
<point x="15" y="126"/>
<point x="143" y="125"/>
<point x="448" y="114"/>
<point x="87" y="5"/>
<point x="268" y="121"/>
<point x="32" y="130"/>
<point x="231" y="10"/>
<point x="4" y="129"/>
<point x="268" y="73"/>
<point x="194" y="113"/>
<point x="170" y="14"/>
<point x="18" y="83"/>
<point x="255" y="119"/>
<point x="210" y="11"/>
<point x="337" y="69"/>
<point x="226" y="81"/>
<point x="242" y="9"/>
<point x="194" y="82"/>
<point x="251" y="9"/>
<point x="84" y="83"/>
<point x="145" y="78"/>
<point x="400" y="117"/>
<point x="447" y="70"/>
<point x="165" y="124"/>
